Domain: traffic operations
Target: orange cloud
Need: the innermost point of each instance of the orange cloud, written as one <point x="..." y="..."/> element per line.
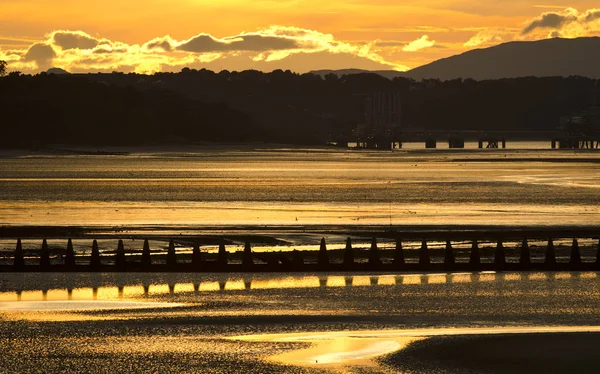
<point x="421" y="43"/>
<point x="80" y="51"/>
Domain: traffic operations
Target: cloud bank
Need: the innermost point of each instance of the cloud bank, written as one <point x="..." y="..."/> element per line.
<point x="80" y="51"/>
<point x="567" y="23"/>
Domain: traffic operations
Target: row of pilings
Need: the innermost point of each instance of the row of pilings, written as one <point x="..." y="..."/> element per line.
<point x="294" y="261"/>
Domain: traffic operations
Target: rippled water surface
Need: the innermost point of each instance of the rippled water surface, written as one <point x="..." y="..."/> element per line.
<point x="225" y="322"/>
<point x="301" y="187"/>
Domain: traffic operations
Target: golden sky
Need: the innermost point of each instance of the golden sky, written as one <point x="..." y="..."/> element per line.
<point x="300" y="35"/>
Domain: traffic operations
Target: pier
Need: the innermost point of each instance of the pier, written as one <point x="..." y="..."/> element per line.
<point x="484" y="139"/>
<point x="429" y="251"/>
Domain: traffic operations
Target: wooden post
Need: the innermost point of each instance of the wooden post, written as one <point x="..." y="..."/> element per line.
<point x="120" y="256"/>
<point x="222" y="256"/>
<point x="475" y="260"/>
<point x="19" y="261"/>
<point x="550" y="261"/>
<point x="424" y="260"/>
<point x="70" y="255"/>
<point x="146" y="258"/>
<point x="247" y="261"/>
<point x="499" y="257"/>
<point x="95" y="258"/>
<point x="398" y="256"/>
<point x="171" y="255"/>
<point x="525" y="260"/>
<point x="348" y="255"/>
<point x="449" y="256"/>
<point x="196" y="258"/>
<point x="45" y="256"/>
<point x="323" y="257"/>
<point x="575" y="261"/>
<point x="374" y="261"/>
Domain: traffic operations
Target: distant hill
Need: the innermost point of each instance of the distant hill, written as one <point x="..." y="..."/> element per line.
<point x="389" y="74"/>
<point x="57" y="71"/>
<point x="543" y="58"/>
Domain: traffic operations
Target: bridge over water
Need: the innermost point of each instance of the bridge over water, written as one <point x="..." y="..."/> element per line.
<point x="485" y="139"/>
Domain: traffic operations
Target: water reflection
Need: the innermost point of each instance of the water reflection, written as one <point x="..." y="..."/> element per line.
<point x="92" y="288"/>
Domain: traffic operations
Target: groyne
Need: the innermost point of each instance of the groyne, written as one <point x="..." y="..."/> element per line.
<point x="373" y="258"/>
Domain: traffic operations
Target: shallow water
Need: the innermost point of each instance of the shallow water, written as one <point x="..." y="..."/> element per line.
<point x="218" y="322"/>
<point x="303" y="187"/>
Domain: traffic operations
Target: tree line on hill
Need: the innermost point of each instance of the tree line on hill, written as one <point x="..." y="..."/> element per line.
<point x="281" y="106"/>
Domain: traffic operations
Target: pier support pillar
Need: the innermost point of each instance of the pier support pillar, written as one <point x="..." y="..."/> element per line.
<point x="45" y="256"/>
<point x="554" y="143"/>
<point x="398" y="261"/>
<point x="480" y="144"/>
<point x="550" y="261"/>
<point x="323" y="257"/>
<point x="196" y="258"/>
<point x="503" y="143"/>
<point x="424" y="260"/>
<point x="70" y="255"/>
<point x="374" y="261"/>
<point x="499" y="256"/>
<point x="348" y="255"/>
<point x="95" y="258"/>
<point x="456" y="143"/>
<point x="146" y="259"/>
<point x="475" y="260"/>
<point x="247" y="260"/>
<point x="575" y="261"/>
<point x="430" y="143"/>
<point x="449" y="256"/>
<point x="525" y="260"/>
<point x="120" y="256"/>
<point x="19" y="261"/>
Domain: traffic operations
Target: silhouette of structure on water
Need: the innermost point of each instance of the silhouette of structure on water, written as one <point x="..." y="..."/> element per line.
<point x="344" y="260"/>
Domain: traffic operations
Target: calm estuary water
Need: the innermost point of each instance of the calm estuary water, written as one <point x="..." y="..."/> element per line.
<point x="289" y="323"/>
<point x="302" y="322"/>
<point x="302" y="187"/>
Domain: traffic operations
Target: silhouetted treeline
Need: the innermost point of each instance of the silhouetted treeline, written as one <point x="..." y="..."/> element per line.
<point x="307" y="104"/>
<point x="51" y="109"/>
<point x="278" y="106"/>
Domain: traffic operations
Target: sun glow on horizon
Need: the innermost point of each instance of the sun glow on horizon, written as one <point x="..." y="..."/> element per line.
<point x="300" y="36"/>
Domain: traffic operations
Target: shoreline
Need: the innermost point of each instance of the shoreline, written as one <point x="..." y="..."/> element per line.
<point x="444" y="232"/>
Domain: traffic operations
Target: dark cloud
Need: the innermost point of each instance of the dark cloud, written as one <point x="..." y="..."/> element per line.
<point x="74" y="40"/>
<point x="255" y="43"/>
<point x="548" y="20"/>
<point x="161" y="44"/>
<point x="42" y="54"/>
<point x="556" y="20"/>
<point x="592" y="15"/>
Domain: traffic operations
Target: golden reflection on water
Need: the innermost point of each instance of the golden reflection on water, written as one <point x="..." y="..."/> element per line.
<point x="258" y="282"/>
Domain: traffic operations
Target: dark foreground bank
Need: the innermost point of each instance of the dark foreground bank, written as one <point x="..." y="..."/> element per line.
<point x="514" y="353"/>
